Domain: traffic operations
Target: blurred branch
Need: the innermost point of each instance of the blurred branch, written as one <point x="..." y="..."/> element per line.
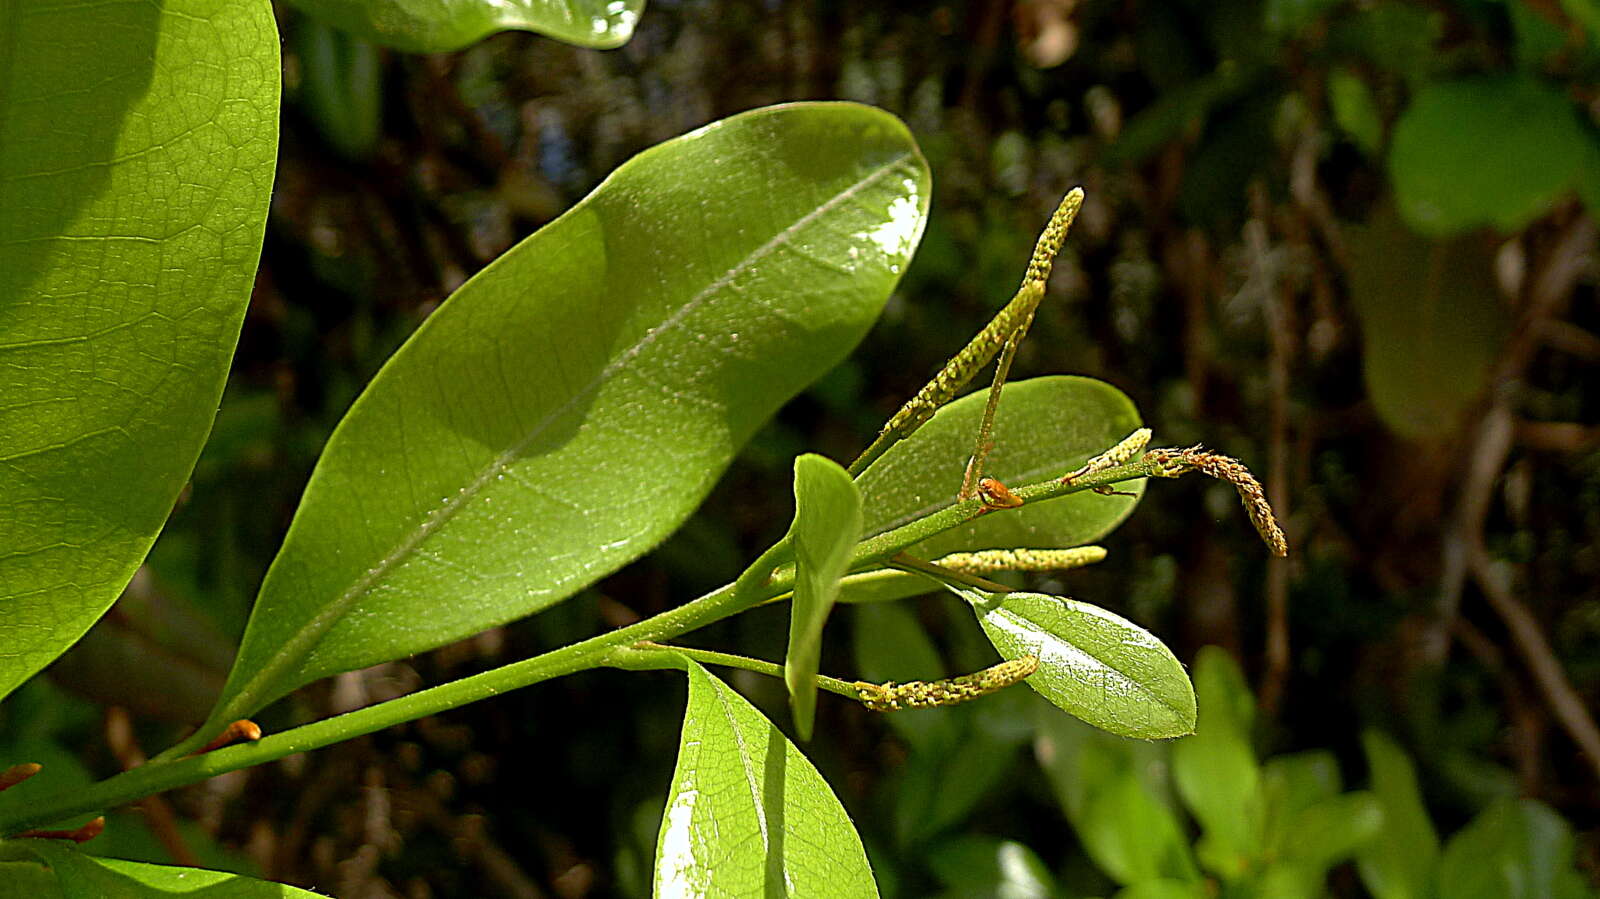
<point x="1495" y="582"/>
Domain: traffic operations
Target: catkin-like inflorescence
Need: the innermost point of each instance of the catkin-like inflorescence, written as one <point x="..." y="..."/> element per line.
<point x="989" y="561"/>
<point x="891" y="697"/>
<point x="968" y="362"/>
<point x="1055" y="234"/>
<point x="1170" y="463"/>
<point x="1120" y="454"/>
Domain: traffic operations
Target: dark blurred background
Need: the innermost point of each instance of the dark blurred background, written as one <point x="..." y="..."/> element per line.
<point x="1276" y="257"/>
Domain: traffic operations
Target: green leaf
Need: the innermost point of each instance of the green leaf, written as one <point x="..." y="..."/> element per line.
<point x="827" y="524"/>
<point x="984" y="867"/>
<point x="747" y="815"/>
<point x="571" y="404"/>
<point x="341" y="85"/>
<point x="1094" y="665"/>
<point x="438" y="26"/>
<point x="1166" y="889"/>
<point x="1485" y="151"/>
<point x="1355" y="110"/>
<point x="1216" y="771"/>
<point x="944" y="780"/>
<point x="1045" y="428"/>
<point x="1299" y="780"/>
<point x="1399" y="863"/>
<point x="137" y="146"/>
<point x="1431" y="324"/>
<point x="1515" y="849"/>
<point x="1329" y="831"/>
<point x="82" y="876"/>
<point x="1132" y="836"/>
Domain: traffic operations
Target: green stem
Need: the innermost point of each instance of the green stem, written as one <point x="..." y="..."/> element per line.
<point x="648" y="656"/>
<point x="26" y="812"/>
<point x="980" y="450"/>
<point x="946" y="575"/>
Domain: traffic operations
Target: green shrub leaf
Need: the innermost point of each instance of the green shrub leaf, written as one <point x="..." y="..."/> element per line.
<point x="1485" y="151"/>
<point x="1046" y="427"/>
<point x="571" y="404"/>
<point x="438" y="26"/>
<point x="747" y="814"/>
<point x="1514" y="849"/>
<point x="134" y="178"/>
<point x="1431" y="323"/>
<point x="1132" y="836"/>
<point x="1216" y="771"/>
<point x="827" y="524"/>
<point x="80" y="876"/>
<point x="1399" y="863"/>
<point x="1097" y="666"/>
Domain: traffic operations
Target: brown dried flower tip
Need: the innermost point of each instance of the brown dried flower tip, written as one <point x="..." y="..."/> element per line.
<point x="996" y="495"/>
<point x="243" y="729"/>
<point x="1226" y="468"/>
<point x="18" y="773"/>
<point x="892" y="697"/>
<point x="77" y="835"/>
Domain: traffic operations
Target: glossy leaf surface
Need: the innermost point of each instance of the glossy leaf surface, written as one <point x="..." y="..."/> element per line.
<point x="137" y="148"/>
<point x="1045" y="427"/>
<point x="80" y="876"/>
<point x="1093" y="664"/>
<point x="747" y="814"/>
<point x="436" y="26"/>
<point x="570" y="405"/>
<point x="827" y="524"/>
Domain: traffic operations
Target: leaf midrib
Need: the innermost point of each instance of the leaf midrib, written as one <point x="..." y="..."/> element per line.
<point x="299" y="645"/>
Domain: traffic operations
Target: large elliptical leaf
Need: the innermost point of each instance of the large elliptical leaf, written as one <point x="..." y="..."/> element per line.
<point x="571" y="404"/>
<point x="438" y="26"/>
<point x="747" y="814"/>
<point x="137" y="146"/>
<point x="1045" y="428"/>
<point x="1093" y="664"/>
<point x="827" y="524"/>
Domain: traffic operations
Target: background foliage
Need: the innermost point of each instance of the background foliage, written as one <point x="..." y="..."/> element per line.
<point x="1352" y="244"/>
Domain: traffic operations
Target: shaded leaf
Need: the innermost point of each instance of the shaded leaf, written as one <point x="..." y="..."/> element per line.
<point x="1399" y="863"/>
<point x="1431" y="325"/>
<point x="134" y="179"/>
<point x="1093" y="664"/>
<point x="747" y="814"/>
<point x="827" y="524"/>
<point x="1133" y="837"/>
<point x="1329" y="831"/>
<point x="437" y="26"/>
<point x="1485" y="151"/>
<point x="1515" y="849"/>
<point x="80" y="876"/>
<point x="571" y="404"/>
<point x="891" y="645"/>
<point x="983" y="867"/>
<point x="1045" y="427"/>
<point x="1216" y="771"/>
<point x="1355" y="110"/>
